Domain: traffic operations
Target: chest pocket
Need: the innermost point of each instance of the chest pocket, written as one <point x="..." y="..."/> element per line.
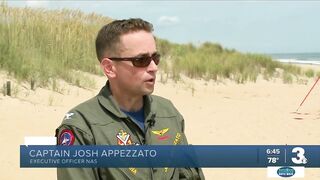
<point x="115" y="134"/>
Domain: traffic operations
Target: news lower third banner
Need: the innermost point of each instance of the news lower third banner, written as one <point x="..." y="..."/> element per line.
<point x="233" y="156"/>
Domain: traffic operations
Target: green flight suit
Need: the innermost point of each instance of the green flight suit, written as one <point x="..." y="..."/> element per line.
<point x="99" y="121"/>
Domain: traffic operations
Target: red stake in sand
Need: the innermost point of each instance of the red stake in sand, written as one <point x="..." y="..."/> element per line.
<point x="308" y="93"/>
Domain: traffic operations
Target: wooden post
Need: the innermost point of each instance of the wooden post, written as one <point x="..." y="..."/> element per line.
<point x="32" y="84"/>
<point x="4" y="89"/>
<point x="9" y="88"/>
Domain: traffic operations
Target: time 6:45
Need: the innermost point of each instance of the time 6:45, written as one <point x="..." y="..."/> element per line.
<point x="273" y="151"/>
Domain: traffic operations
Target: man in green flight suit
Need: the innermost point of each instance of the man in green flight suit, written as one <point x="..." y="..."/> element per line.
<point x="125" y="112"/>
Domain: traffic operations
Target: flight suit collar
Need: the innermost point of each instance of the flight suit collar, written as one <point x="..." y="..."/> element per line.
<point x="108" y="102"/>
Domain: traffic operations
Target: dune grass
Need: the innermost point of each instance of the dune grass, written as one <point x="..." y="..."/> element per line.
<point x="42" y="46"/>
<point x="212" y="61"/>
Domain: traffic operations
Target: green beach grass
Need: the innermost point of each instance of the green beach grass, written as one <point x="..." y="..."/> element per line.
<point x="44" y="45"/>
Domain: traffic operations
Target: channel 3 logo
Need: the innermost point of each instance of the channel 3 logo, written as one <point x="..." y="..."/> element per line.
<point x="300" y="158"/>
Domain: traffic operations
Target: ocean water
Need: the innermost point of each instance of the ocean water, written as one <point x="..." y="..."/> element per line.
<point x="297" y="58"/>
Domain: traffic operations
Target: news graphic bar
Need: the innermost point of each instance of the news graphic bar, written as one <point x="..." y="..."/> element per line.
<point x="233" y="156"/>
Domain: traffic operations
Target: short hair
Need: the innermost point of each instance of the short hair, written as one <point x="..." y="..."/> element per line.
<point x="108" y="38"/>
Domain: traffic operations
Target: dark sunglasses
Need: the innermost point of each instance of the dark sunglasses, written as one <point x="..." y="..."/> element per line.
<point x="141" y="60"/>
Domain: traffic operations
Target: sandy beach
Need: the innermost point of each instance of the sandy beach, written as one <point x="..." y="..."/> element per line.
<point x="216" y="113"/>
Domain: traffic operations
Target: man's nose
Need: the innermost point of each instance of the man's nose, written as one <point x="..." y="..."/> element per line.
<point x="152" y="67"/>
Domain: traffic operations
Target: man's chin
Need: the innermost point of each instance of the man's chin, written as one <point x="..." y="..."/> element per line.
<point x="148" y="91"/>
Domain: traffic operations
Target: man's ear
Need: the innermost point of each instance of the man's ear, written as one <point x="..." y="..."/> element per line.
<point x="108" y="67"/>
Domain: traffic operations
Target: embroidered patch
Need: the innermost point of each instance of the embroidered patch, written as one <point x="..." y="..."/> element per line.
<point x="68" y="115"/>
<point x="133" y="170"/>
<point x="66" y="138"/>
<point x="124" y="138"/>
<point x="166" y="169"/>
<point x="161" y="134"/>
<point x="177" y="139"/>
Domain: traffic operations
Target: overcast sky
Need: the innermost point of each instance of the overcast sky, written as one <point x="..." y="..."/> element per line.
<point x="248" y="26"/>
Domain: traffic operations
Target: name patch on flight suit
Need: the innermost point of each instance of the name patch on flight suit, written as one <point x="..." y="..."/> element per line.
<point x="66" y="138"/>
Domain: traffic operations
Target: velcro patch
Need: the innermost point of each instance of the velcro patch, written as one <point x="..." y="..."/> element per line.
<point x="66" y="138"/>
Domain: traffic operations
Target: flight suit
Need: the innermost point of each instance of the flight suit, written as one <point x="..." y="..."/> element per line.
<point x="99" y="121"/>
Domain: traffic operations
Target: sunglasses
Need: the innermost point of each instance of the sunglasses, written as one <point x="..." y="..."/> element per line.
<point x="141" y="60"/>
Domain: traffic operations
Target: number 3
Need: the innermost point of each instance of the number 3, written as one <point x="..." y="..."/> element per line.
<point x="300" y="159"/>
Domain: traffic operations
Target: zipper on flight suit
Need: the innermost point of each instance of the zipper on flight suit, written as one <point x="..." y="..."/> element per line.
<point x="150" y="122"/>
<point x="136" y="126"/>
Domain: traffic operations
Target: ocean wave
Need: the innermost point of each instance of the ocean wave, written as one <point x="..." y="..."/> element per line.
<point x="297" y="61"/>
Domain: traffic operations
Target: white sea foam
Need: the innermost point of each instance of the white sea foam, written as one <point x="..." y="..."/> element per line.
<point x="297" y="58"/>
<point x="297" y="61"/>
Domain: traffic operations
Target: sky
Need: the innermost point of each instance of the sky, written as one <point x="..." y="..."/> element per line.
<point x="247" y="26"/>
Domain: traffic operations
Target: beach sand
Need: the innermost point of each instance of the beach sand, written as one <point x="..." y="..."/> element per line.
<point x="261" y="113"/>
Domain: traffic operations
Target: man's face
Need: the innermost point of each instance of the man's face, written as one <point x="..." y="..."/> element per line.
<point x="136" y="81"/>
